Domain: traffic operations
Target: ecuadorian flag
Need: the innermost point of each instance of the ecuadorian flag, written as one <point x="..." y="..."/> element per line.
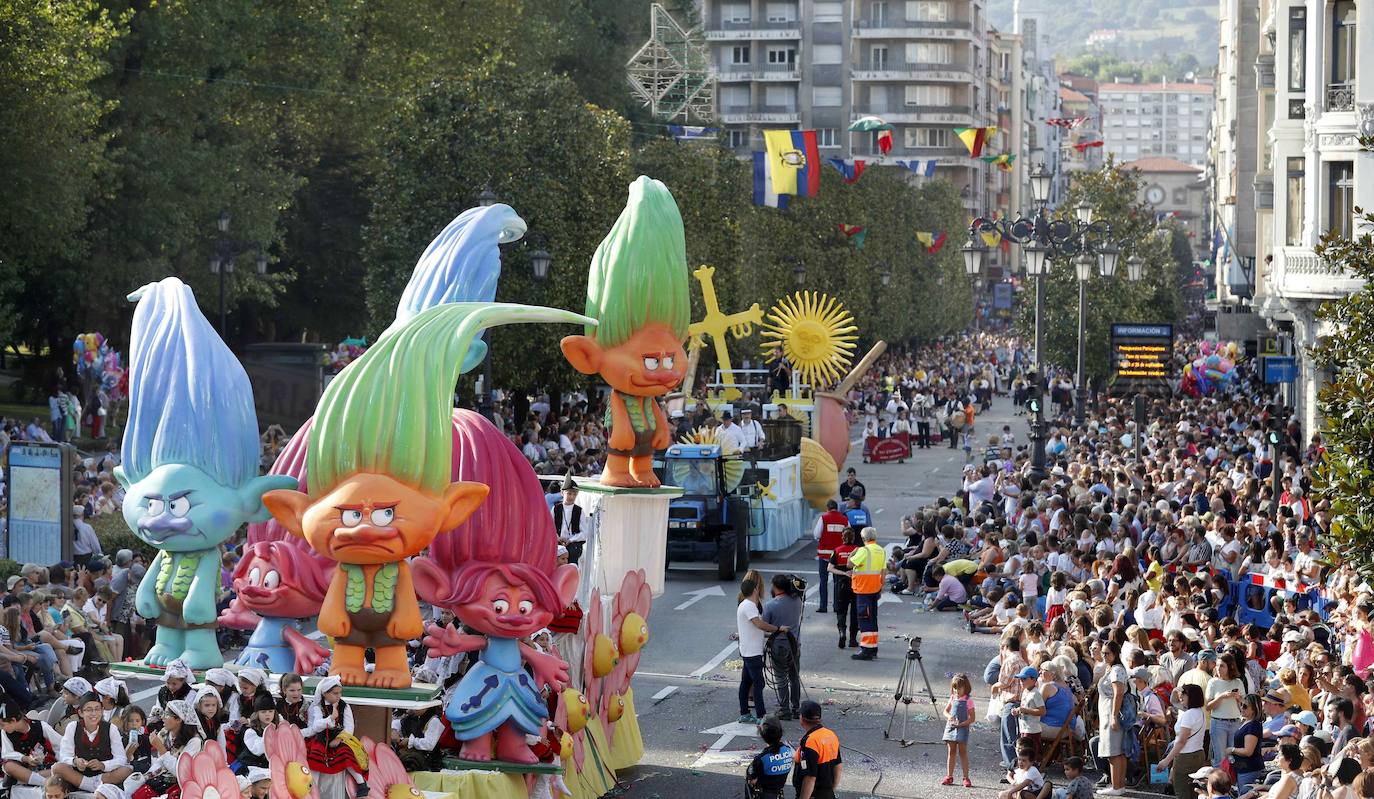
<point x="794" y="161"/>
<point x="763" y="184"/>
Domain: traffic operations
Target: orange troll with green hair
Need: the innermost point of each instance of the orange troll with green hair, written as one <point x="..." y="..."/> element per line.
<point x="380" y="461"/>
<point x="637" y="292"/>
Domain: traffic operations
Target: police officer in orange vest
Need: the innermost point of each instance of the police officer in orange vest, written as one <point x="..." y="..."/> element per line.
<point x="829" y="530"/>
<point x="867" y="564"/>
<point x="818" y="770"/>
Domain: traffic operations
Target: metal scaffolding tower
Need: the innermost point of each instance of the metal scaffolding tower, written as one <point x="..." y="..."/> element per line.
<point x="671" y="73"/>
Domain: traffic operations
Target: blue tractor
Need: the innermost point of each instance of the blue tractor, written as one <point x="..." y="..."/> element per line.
<point x="709" y="521"/>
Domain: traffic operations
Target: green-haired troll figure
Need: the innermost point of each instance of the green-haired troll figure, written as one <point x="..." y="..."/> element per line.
<point x="380" y="465"/>
<point x="637" y="291"/>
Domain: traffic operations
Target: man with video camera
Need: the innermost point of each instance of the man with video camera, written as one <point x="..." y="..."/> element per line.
<point x="784" y="611"/>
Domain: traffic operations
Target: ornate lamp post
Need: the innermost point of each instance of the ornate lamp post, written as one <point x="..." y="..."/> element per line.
<point x="226" y="251"/>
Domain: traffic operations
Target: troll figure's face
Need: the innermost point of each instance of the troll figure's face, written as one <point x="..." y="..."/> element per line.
<point x="649" y="363"/>
<point x="179" y="508"/>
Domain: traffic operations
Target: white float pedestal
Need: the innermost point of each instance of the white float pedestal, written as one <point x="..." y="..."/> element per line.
<point x="629" y="531"/>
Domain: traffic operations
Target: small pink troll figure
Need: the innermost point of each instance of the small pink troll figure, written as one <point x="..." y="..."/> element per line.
<point x="498" y="573"/>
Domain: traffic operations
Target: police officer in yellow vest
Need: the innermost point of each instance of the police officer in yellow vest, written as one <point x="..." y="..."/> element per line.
<point x="868" y="564"/>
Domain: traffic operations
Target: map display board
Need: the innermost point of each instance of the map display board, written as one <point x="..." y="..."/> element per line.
<point x="40" y="514"/>
<point x="1142" y="356"/>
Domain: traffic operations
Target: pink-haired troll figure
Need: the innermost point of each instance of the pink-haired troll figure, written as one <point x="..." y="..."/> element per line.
<point x="498" y="573"/>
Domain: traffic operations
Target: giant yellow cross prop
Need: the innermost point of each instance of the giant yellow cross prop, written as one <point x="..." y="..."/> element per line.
<point x="717" y="325"/>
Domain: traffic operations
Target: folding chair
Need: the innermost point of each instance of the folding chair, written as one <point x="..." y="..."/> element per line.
<point x="1064" y="739"/>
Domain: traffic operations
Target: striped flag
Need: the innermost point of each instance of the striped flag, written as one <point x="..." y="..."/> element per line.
<point x="692" y="132"/>
<point x="923" y="167"/>
<point x="933" y="241"/>
<point x="852" y="169"/>
<point x="763" y="184"/>
<point x="1066" y="122"/>
<point x="794" y="161"/>
<point x="975" y="138"/>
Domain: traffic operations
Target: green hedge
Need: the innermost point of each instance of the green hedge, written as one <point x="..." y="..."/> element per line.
<point x="114" y="535"/>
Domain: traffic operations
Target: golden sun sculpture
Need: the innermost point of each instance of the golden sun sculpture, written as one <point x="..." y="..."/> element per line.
<point x="729" y="453"/>
<point x="816" y="335"/>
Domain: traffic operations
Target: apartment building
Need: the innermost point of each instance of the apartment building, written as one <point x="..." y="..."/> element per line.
<point x="1081" y="103"/>
<point x="922" y="65"/>
<point x="1313" y="64"/>
<point x="1169" y="119"/>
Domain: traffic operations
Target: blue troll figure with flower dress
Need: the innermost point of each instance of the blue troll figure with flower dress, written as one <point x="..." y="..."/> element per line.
<point x="190" y="467"/>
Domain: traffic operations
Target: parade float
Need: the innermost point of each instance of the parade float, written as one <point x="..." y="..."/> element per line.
<point x="388" y="496"/>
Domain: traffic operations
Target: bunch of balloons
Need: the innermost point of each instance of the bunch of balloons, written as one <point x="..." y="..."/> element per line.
<point x="97" y="361"/>
<point x="1212" y="370"/>
<point x="345" y="353"/>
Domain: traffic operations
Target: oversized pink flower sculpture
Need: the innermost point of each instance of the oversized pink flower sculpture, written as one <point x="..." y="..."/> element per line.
<point x="630" y="631"/>
<point x="206" y="774"/>
<point x="291" y="777"/>
<point x="386" y="777"/>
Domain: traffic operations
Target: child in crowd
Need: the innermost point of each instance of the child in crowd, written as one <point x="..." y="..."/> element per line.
<point x="959" y="716"/>
<point x="137" y="746"/>
<point x="1057" y="596"/>
<point x="252" y="752"/>
<point x="1079" y="787"/>
<point x="1026" y="780"/>
<point x="292" y="706"/>
<point x="1030" y="710"/>
<point x="1029" y="584"/>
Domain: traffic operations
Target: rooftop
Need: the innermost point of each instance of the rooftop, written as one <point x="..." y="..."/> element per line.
<point x="1195" y="88"/>
<point x="1069" y="95"/>
<point x="1160" y="164"/>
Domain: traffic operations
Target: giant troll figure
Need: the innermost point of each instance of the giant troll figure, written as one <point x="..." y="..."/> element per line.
<point x="379" y="487"/>
<point x="190" y="467"/>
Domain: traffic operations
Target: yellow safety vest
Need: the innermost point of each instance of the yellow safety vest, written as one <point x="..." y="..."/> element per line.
<point x="868" y="563"/>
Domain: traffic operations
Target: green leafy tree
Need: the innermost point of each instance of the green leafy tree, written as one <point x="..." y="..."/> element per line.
<point x="1113" y="192"/>
<point x="561" y="164"/>
<point x="1345" y="476"/>
<point x="54" y="162"/>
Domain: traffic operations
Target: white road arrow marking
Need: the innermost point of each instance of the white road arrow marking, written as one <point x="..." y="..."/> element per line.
<point x="698" y="595"/>
<point x="887" y="598"/>
<point x="720" y="657"/>
<point x="715" y="753"/>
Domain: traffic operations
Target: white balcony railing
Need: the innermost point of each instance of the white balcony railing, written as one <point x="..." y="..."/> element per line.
<point x="1300" y="274"/>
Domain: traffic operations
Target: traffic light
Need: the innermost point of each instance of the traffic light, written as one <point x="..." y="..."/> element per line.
<point x="1274" y="438"/>
<point x="1034" y="393"/>
<point x="1033" y="404"/>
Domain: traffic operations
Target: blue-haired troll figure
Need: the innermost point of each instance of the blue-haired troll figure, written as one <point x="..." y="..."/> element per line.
<point x="190" y="467"/>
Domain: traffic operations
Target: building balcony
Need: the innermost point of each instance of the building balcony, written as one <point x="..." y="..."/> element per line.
<point x="759" y="113"/>
<point x="960" y="115"/>
<point x="912" y="72"/>
<point x="960" y="29"/>
<point x="1340" y="96"/>
<point x="1264" y="191"/>
<point x="1299" y="274"/>
<point x="730" y="73"/>
<point x="1264" y="70"/>
<point x="733" y="30"/>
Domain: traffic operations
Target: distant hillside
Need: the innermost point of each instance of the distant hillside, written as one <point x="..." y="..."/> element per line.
<point x="1145" y="31"/>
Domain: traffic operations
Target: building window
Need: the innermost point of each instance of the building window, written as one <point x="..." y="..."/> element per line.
<point x="925" y="137"/>
<point x="927" y="10"/>
<point x="735" y="12"/>
<point x="877" y="57"/>
<point x="738" y="139"/>
<point x="1341" y="202"/>
<point x="734" y="97"/>
<point x="782" y="12"/>
<point x="781" y="96"/>
<point x="1297" y="49"/>
<point x="877" y="14"/>
<point x="1297" y="168"/>
<point x="828" y="11"/>
<point x="1343" y="43"/>
<point x="927" y="94"/>
<point x="782" y="55"/>
<point x="827" y="137"/>
<point x="740" y="54"/>
<point x="929" y="53"/>
<point x="827" y="54"/>
<point x="826" y="96"/>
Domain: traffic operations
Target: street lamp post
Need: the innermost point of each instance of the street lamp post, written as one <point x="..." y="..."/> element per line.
<point x="225" y="252"/>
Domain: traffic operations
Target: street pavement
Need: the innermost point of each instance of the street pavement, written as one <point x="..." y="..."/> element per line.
<point x="687" y="684"/>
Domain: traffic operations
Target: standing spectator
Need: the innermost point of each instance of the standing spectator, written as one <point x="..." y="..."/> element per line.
<point x="55" y="415"/>
<point x="1187" y="756"/>
<point x="1111" y="694"/>
<point x="86" y="544"/>
<point x="784" y="611"/>
<point x="868" y="565"/>
<point x="568" y="521"/>
<point x="1223" y="695"/>
<point x="828" y="533"/>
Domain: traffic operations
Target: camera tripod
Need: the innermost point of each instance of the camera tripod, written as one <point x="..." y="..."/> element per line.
<point x="906" y="683"/>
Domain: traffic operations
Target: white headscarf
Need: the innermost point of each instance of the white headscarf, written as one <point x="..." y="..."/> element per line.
<point x="178" y="668"/>
<point x="256" y="774"/>
<point x="77" y="685"/>
<point x="220" y="676"/>
<point x="255" y="676"/>
<point x="209" y="690"/>
<point x="184" y="711"/>
<point x="323" y="687"/>
<point x="110" y="687"/>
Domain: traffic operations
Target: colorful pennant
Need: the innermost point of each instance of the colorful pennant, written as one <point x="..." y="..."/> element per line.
<point x="852" y="169"/>
<point x="692" y="132"/>
<point x="933" y="241"/>
<point x="1084" y="145"/>
<point x="794" y="161"/>
<point x="856" y="234"/>
<point x="1003" y="161"/>
<point x="1066" y="122"/>
<point x="763" y="183"/>
<point x="975" y="138"/>
<point x="925" y="167"/>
